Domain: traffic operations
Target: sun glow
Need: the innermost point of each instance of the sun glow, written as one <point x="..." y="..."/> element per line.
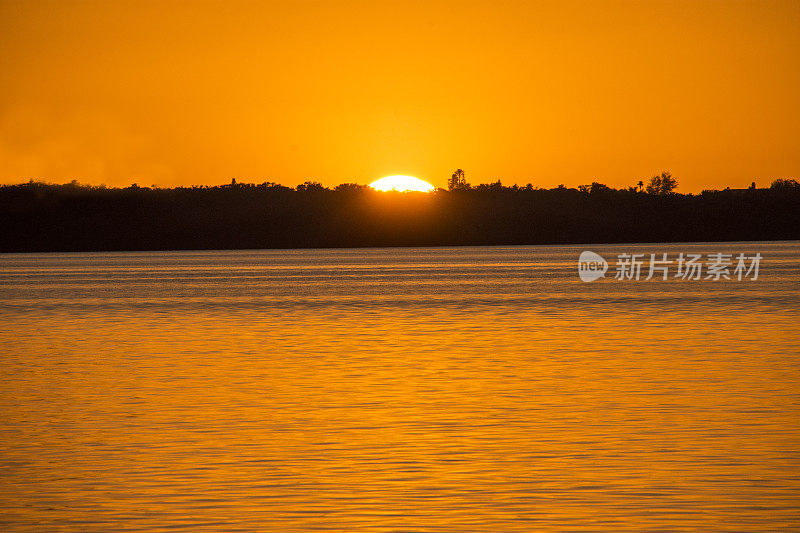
<point x="401" y="184"/>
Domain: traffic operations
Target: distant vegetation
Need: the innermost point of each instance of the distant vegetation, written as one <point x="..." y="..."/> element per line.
<point x="73" y="217"/>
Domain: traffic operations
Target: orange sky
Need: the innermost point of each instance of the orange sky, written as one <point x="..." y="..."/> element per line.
<point x="180" y="93"/>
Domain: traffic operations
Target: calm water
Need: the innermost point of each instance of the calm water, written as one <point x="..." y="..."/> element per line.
<point x="450" y="389"/>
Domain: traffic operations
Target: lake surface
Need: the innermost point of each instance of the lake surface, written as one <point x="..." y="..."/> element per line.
<point x="378" y="390"/>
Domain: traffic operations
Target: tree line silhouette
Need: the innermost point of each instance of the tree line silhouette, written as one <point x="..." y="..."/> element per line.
<point x="40" y="217"/>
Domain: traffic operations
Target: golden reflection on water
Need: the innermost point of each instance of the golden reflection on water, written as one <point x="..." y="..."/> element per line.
<point x="386" y="390"/>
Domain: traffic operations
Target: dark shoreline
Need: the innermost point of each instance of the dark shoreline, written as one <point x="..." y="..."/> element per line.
<point x="73" y="218"/>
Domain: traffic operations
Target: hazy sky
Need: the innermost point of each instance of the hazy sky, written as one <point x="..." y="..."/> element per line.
<point x="186" y="92"/>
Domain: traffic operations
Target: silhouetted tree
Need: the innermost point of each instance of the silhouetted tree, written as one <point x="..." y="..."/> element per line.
<point x="596" y="187"/>
<point x="458" y="181"/>
<point x="662" y="184"/>
<point x="351" y="187"/>
<point x="310" y="186"/>
<point x="781" y="183"/>
<point x="494" y="186"/>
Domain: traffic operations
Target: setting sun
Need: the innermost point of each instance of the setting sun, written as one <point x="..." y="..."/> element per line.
<point x="401" y="184"/>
